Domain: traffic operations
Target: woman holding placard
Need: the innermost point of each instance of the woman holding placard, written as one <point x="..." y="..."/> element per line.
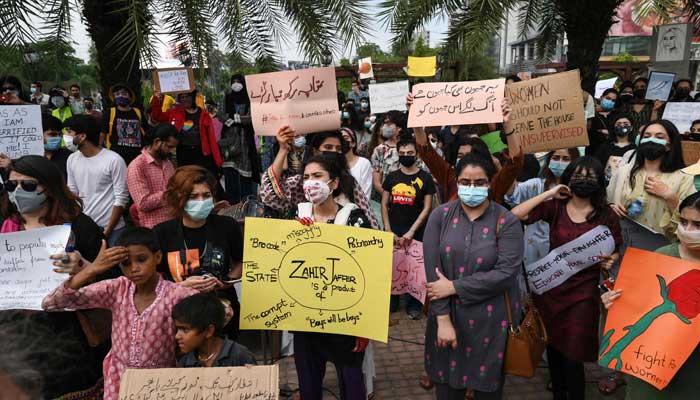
<point x="42" y="199"/>
<point x="646" y="191"/>
<point x="473" y="250"/>
<point x="570" y="311"/>
<point x="685" y="383"/>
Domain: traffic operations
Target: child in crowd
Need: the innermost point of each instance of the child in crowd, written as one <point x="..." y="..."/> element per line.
<point x="199" y="320"/>
<point x="141" y="301"/>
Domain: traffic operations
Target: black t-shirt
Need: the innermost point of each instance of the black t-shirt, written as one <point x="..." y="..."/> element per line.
<point x="406" y="199"/>
<point x="60" y="159"/>
<point x="211" y="249"/>
<point x="126" y="138"/>
<point x="610" y="156"/>
<point x="190" y="129"/>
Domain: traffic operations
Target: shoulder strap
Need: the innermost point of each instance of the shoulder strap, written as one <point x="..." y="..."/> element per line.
<point x="344" y="214"/>
<point x="138" y="115"/>
<point x="112" y="116"/>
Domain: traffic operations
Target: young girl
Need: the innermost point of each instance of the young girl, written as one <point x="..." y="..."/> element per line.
<point x="141" y="301"/>
<point x="570" y="311"/>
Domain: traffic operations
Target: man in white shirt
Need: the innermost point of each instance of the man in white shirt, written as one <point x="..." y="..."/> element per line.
<point x="96" y="175"/>
<point x="37" y="96"/>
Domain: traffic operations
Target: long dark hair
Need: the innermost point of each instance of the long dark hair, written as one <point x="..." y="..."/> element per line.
<point x="612" y="120"/>
<point x="692" y="200"/>
<point x="63" y="205"/>
<point x="346" y="182"/>
<point x="478" y="147"/>
<point x="672" y="160"/>
<point x="549" y="177"/>
<point x="598" y="201"/>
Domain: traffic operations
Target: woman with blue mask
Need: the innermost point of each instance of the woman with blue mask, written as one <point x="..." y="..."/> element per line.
<point x="201" y="249"/>
<point x="473" y="251"/>
<point x="620" y="140"/>
<point x="645" y="192"/>
<point x="571" y="310"/>
<point x="600" y="129"/>
<point x="537" y="234"/>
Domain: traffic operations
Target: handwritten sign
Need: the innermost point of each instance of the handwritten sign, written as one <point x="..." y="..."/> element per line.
<point x="652" y="328"/>
<point x="408" y="275"/>
<point x="456" y="103"/>
<point x="682" y="114"/>
<point x="547" y="113"/>
<point x="569" y="259"/>
<point x="364" y="66"/>
<point x="26" y="273"/>
<point x="389" y="96"/>
<point x="255" y="382"/>
<point x="174" y="80"/>
<point x="306" y="100"/>
<point x="319" y="278"/>
<point x="21" y="133"/>
<point x="604" y="85"/>
<point x="422" y="66"/>
<point x="691" y="152"/>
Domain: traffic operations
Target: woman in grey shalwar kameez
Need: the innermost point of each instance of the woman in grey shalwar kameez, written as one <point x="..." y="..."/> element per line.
<point x="473" y="252"/>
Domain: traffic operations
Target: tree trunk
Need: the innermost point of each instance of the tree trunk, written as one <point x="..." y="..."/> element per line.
<point x="103" y="24"/>
<point x="587" y="25"/>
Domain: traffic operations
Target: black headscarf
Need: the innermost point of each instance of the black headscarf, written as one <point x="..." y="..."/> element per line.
<point x="238" y="97"/>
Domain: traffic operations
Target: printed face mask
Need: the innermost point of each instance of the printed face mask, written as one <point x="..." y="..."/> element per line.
<point x="316" y="191"/>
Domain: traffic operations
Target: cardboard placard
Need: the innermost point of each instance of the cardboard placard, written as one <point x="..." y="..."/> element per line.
<point x="660" y="85"/>
<point x="422" y="66"/>
<point x="21" y="132"/>
<point x="456" y="103"/>
<point x="547" y="113"/>
<point x="408" y="275"/>
<point x="389" y="96"/>
<point x="652" y="328"/>
<point x="306" y="100"/>
<point x="26" y="272"/>
<point x="174" y="80"/>
<point x="364" y="66"/>
<point x="691" y="152"/>
<point x="320" y="278"/>
<point x="569" y="259"/>
<point x="259" y="382"/>
<point x="682" y="114"/>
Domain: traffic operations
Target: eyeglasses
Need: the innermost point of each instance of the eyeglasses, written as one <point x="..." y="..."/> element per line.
<point x="579" y="177"/>
<point x="476" y="182"/>
<point x="6" y="89"/>
<point x="27" y="185"/>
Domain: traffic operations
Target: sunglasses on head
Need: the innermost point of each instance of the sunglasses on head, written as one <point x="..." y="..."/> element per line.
<point x="6" y="89"/>
<point x="27" y="185"/>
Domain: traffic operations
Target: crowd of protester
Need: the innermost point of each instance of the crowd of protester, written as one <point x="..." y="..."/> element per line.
<point x="142" y="190"/>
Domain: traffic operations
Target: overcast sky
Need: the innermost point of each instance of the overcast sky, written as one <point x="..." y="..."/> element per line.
<point x="290" y="51"/>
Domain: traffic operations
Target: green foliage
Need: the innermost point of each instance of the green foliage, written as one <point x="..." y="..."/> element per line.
<point x="625" y="57"/>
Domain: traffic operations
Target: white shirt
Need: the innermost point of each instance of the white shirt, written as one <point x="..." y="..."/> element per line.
<point x="362" y="172"/>
<point x="100" y="182"/>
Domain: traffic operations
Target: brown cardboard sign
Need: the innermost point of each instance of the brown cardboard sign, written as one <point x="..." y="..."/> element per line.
<point x="223" y="383"/>
<point x="547" y="113"/>
<point x="173" y="80"/>
<point x="691" y="152"/>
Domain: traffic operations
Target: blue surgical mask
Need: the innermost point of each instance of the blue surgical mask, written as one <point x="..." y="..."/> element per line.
<point x="557" y="167"/>
<point x="368" y="124"/>
<point x="346" y="115"/>
<point x="300" y="141"/>
<point x="199" y="209"/>
<point x="53" y="143"/>
<point x="472" y="196"/>
<point x="607" y="104"/>
<point x="652" y="140"/>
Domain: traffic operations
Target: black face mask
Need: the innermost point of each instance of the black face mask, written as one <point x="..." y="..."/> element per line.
<point x="694" y="137"/>
<point x="626" y="97"/>
<point x="331" y="156"/>
<point x="622" y="131"/>
<point x="407" y="161"/>
<point x="651" y="151"/>
<point x="640" y="93"/>
<point x="584" y="188"/>
<point x="682" y="93"/>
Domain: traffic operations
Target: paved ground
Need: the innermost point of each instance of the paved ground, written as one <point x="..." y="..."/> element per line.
<point x="399" y="365"/>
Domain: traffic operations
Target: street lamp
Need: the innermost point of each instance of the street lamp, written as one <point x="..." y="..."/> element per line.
<point x="326" y="57"/>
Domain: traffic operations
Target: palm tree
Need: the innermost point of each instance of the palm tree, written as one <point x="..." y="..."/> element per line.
<point x="585" y="22"/>
<point x="125" y="32"/>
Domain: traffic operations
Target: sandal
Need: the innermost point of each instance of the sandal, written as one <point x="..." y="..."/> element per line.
<point x="425" y="381"/>
<point x="609" y="385"/>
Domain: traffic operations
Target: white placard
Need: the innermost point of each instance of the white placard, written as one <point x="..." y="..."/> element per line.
<point x="389" y="96"/>
<point x="570" y="258"/>
<point x="682" y="114"/>
<point x="365" y="68"/>
<point x="604" y="85"/>
<point x="26" y="273"/>
<point x="174" y="80"/>
<point x="21" y="133"/>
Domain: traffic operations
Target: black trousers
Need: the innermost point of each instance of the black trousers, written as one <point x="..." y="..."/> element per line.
<point x="568" y="377"/>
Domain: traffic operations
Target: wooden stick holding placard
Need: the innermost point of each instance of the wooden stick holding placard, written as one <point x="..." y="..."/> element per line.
<point x="174" y="80"/>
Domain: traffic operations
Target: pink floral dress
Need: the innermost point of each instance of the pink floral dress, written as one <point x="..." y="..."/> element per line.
<point x="145" y="340"/>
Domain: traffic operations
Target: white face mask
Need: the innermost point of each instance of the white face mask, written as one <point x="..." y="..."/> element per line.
<point x="236" y="87"/>
<point x="70" y="144"/>
<point x="691" y="239"/>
